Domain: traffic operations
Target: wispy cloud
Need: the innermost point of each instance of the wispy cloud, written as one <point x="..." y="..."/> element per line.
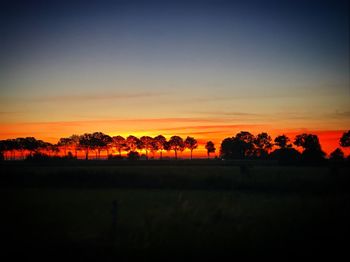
<point x="227" y="113"/>
<point x="94" y="97"/>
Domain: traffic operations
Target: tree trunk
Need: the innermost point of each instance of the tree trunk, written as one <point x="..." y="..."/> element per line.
<point x="161" y="154"/>
<point x="87" y="155"/>
<point x="175" y="153"/>
<point x="191" y="153"/>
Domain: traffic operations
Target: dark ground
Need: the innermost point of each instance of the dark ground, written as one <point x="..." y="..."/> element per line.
<point x="173" y="209"/>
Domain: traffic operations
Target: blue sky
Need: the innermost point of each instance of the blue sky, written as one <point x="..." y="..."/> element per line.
<point x="282" y="63"/>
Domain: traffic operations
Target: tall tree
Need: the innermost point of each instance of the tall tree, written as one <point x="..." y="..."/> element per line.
<point x="85" y="143"/>
<point x="282" y="142"/>
<point x="263" y="144"/>
<point x="75" y="144"/>
<point x="100" y="141"/>
<point x="176" y="143"/>
<point x="31" y="144"/>
<point x="191" y="143"/>
<point x="160" y="143"/>
<point x="20" y="141"/>
<point x="312" y="148"/>
<point x="238" y="147"/>
<point x="146" y="144"/>
<point x="107" y="142"/>
<point x="64" y="143"/>
<point x="132" y="143"/>
<point x="119" y="143"/>
<point x="210" y="148"/>
<point x="285" y="153"/>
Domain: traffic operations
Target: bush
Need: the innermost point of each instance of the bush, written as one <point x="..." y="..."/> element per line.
<point x="133" y="155"/>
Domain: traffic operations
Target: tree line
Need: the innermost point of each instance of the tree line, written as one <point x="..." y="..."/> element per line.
<point x="97" y="142"/>
<point x="243" y="145"/>
<point x="247" y="146"/>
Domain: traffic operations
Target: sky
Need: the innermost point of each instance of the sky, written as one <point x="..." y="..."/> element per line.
<point x="207" y="69"/>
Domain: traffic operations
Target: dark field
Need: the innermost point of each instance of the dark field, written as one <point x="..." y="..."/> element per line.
<point x="174" y="209"/>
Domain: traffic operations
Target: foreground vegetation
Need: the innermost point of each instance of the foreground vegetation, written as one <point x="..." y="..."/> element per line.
<point x="177" y="209"/>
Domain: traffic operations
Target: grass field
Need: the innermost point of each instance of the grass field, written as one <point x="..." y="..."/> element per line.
<point x="178" y="210"/>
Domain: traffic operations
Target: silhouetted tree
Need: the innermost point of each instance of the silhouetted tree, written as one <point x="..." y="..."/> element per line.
<point x="85" y="143"/>
<point x="107" y="142"/>
<point x="64" y="143"/>
<point x="176" y="143"/>
<point x="238" y="147"/>
<point x="282" y="142"/>
<point x="31" y="144"/>
<point x="345" y="139"/>
<point x="20" y="141"/>
<point x="160" y="144"/>
<point x="99" y="142"/>
<point x="286" y="155"/>
<point x="132" y="143"/>
<point x="246" y="141"/>
<point x="2" y="149"/>
<point x="312" y="148"/>
<point x="210" y="148"/>
<point x="337" y="155"/>
<point x="146" y="143"/>
<point x="133" y="155"/>
<point x="120" y="144"/>
<point x="154" y="148"/>
<point x="228" y="148"/>
<point x="167" y="146"/>
<point x="9" y="146"/>
<point x="75" y="144"/>
<point x="263" y="143"/>
<point x="191" y="143"/>
<point x="55" y="150"/>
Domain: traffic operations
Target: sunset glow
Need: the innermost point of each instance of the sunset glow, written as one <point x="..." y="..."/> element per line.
<point x="204" y="69"/>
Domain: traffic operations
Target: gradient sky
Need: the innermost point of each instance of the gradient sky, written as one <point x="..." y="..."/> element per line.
<point x="202" y="68"/>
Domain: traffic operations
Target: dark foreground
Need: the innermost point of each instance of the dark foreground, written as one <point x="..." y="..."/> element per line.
<point x="174" y="211"/>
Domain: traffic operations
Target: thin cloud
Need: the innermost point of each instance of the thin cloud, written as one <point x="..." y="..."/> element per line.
<point x="341" y="114"/>
<point x="227" y="113"/>
<point x="217" y="126"/>
<point x="94" y="97"/>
